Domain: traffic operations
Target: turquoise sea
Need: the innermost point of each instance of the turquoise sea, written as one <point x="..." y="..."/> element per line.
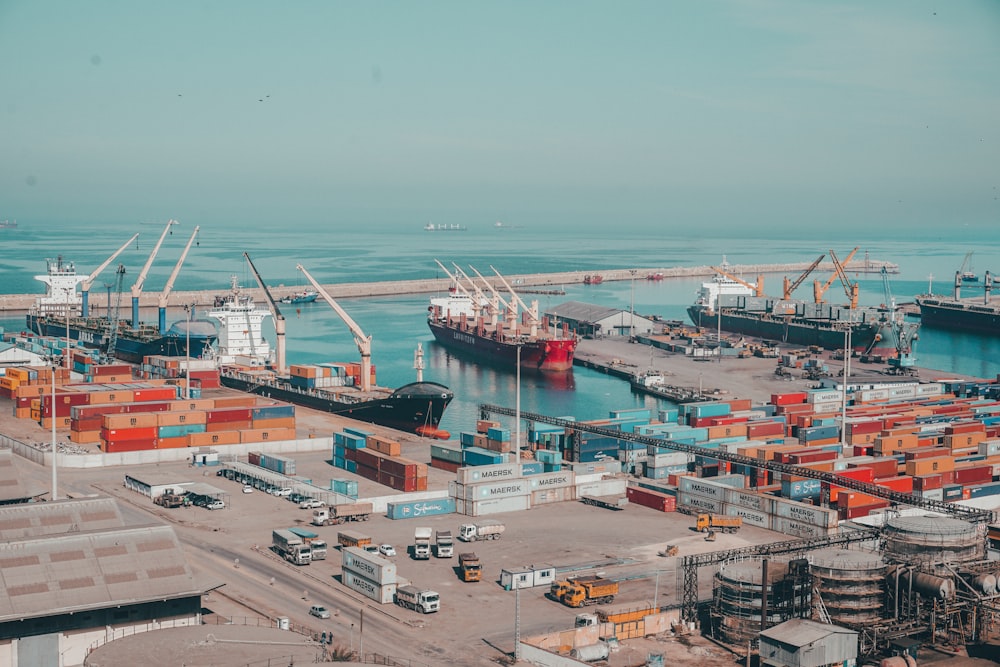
<point x="397" y="324"/>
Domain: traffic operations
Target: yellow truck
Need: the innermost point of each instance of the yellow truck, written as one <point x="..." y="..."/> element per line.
<point x="718" y="523"/>
<point x="470" y="567"/>
<point x="583" y="591"/>
<point x="350" y="538"/>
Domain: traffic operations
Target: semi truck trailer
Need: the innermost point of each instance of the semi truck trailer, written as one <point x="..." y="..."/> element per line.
<point x="484" y="530"/>
<point x="417" y="599"/>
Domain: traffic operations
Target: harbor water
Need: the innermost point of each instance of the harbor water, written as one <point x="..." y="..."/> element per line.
<point x="397" y="324"/>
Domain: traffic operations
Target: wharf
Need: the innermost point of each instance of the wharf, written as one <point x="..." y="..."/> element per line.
<point x="552" y="283"/>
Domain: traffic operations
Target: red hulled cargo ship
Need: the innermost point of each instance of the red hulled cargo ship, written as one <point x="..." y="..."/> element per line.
<point x="492" y="328"/>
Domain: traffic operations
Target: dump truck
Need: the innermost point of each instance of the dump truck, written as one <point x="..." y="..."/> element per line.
<point x="417" y="599"/>
<point x="422" y="543"/>
<point x="718" y="523"/>
<point x="445" y="547"/>
<point x="484" y="530"/>
<point x="316" y="544"/>
<point x="172" y="498"/>
<point x="470" y="567"/>
<point x="338" y="514"/>
<point x="291" y="547"/>
<point x="349" y="538"/>
<point x="582" y="591"/>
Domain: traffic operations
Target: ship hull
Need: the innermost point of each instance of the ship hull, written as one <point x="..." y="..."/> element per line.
<point x="128" y="347"/>
<point x="415" y="408"/>
<point x="543" y="354"/>
<point x="959" y="316"/>
<point x="866" y="337"/>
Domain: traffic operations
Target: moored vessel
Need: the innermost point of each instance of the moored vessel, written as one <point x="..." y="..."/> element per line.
<point x="976" y="315"/>
<point x="501" y="331"/>
<point x="305" y="296"/>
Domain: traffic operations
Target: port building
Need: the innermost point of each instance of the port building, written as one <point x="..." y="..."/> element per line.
<point x="593" y="321"/>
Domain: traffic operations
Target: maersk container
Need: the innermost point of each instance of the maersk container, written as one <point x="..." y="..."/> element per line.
<point x="545" y="496"/>
<point x="553" y="480"/>
<point x="750" y="500"/>
<point x="374" y="568"/>
<point x="494" y="506"/>
<point x="749" y="516"/>
<point x="796" y="528"/>
<point x="489" y="490"/>
<point x="664" y="458"/>
<point x="488" y="473"/>
<point x="385" y="594"/>
<point x="817" y="516"/>
<point x="700" y="503"/>
<point x="420" y="508"/>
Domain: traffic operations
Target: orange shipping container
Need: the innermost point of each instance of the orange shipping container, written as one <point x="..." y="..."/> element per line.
<point x="235" y="402"/>
<point x="177" y="418"/>
<point x="188" y="405"/>
<point x="85" y="437"/>
<point x="172" y="443"/>
<point x="216" y="427"/>
<point x="929" y="466"/>
<point x="129" y="420"/>
<point x="266" y="435"/>
<point x="61" y="422"/>
<point x="727" y="431"/>
<point x="217" y="438"/>
<point x="277" y="422"/>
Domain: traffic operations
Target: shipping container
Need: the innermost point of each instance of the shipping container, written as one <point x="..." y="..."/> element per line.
<point x="420" y="508"/>
<point x="494" y="506"/>
<point x="374" y="568"/>
<point x="382" y="594"/>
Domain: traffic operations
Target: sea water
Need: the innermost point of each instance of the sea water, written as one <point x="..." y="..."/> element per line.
<point x="397" y="324"/>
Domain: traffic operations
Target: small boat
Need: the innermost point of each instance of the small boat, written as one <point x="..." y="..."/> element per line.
<point x="8" y="224"/>
<point x="305" y="296"/>
<point x="654" y="276"/>
<point x="595" y="279"/>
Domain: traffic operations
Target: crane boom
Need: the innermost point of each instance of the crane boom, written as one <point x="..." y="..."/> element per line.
<point x="89" y="280"/>
<point x="789" y="288"/>
<point x="851" y="289"/>
<point x="363" y="342"/>
<point x="279" y="319"/>
<point x="758" y="289"/>
<point x="137" y="286"/>
<point x="177" y="269"/>
<point x="531" y="310"/>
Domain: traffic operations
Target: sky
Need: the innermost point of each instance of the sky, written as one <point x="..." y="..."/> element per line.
<point x="758" y="114"/>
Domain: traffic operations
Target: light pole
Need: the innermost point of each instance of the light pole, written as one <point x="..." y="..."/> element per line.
<point x="187" y="352"/>
<point x="517" y="404"/>
<point x="352" y="640"/>
<point x="631" y="307"/>
<point x="52" y="400"/>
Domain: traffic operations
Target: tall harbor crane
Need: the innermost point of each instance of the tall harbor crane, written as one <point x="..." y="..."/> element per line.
<point x="89" y="280"/>
<point x="363" y="342"/>
<point x="758" y="289"/>
<point x="165" y="294"/>
<point x="850" y="289"/>
<point x="819" y="289"/>
<point x="137" y="286"/>
<point x="788" y="287"/>
<point x="115" y="321"/>
<point x="279" y="320"/>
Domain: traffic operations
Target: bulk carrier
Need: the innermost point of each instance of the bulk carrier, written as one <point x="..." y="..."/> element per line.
<point x="978" y="315"/>
<point x="733" y="305"/>
<point x="246" y="363"/>
<point x="497" y="330"/>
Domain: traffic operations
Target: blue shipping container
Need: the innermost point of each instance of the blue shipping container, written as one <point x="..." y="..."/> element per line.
<point x="420" y="508"/>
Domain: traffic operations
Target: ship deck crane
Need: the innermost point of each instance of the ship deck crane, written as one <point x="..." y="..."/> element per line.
<point x="497" y="299"/>
<point x="819" y="290"/>
<point x="89" y="280"/>
<point x="477" y="300"/>
<point x="850" y="289"/>
<point x="165" y="294"/>
<point x="279" y="319"/>
<point x="115" y="322"/>
<point x="363" y="342"/>
<point x="532" y="310"/>
<point x="758" y="289"/>
<point x="137" y="286"/>
<point x="791" y="287"/>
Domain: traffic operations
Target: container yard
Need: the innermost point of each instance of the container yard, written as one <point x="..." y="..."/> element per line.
<point x="861" y="509"/>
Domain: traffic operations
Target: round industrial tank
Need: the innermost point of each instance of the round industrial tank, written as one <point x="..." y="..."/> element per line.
<point x="927" y="584"/>
<point x="590" y="652"/>
<point x="932" y="539"/>
<point x="986" y="583"/>
<point x="850" y="584"/>
<point x="738" y="594"/>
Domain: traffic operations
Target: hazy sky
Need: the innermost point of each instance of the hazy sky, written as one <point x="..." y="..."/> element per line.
<point x="767" y="114"/>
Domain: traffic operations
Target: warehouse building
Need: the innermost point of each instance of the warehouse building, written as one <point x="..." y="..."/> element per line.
<point x="800" y="642"/>
<point x="593" y="321"/>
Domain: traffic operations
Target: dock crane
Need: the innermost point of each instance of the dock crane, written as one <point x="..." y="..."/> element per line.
<point x="279" y="320"/>
<point x="137" y="286"/>
<point x="903" y="339"/>
<point x="788" y="288"/>
<point x="89" y="280"/>
<point x="819" y="290"/>
<point x="363" y="342"/>
<point x="165" y="294"/>
<point x="758" y="289"/>
<point x="115" y="322"/>
<point x="850" y="289"/>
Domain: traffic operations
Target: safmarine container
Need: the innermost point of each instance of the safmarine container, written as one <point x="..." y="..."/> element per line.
<point x="420" y="508"/>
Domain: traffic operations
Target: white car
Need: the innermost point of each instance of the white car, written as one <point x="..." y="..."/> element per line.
<point x="216" y="505"/>
<point x="319" y="611"/>
<point x="247" y="489"/>
<point x="311" y="503"/>
<point x="386" y="550"/>
<point x="283" y="491"/>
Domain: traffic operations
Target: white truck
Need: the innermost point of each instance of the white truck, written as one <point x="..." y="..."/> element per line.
<point x="422" y="543"/>
<point x="445" y="545"/>
<point x="316" y="545"/>
<point x="338" y="514"/>
<point x="291" y="547"/>
<point x="417" y="599"/>
<point x="484" y="530"/>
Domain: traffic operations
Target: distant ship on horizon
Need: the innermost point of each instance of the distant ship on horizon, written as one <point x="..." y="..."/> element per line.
<point x="8" y="224"/>
<point x="431" y="227"/>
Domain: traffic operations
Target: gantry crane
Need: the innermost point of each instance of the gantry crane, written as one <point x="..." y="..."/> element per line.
<point x="363" y="342"/>
<point x="89" y="280"/>
<point x="115" y="322"/>
<point x="137" y="286"/>
<point x="165" y="294"/>
<point x="279" y="319"/>
<point x="758" y="289"/>
<point x="788" y="288"/>
<point x="819" y="290"/>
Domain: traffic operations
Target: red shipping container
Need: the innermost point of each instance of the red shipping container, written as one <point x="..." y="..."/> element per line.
<point x="89" y="424"/>
<point x="810" y="457"/>
<point x="757" y="430"/>
<point x="652" y="499"/>
<point x="873" y="426"/>
<point x="927" y="482"/>
<point x="441" y="464"/>
<point x="86" y="411"/>
<point x="883" y="467"/>
<point x="847" y="513"/>
<point x="151" y="406"/>
<point x="367" y="472"/>
<point x="947" y="477"/>
<point x="725" y="421"/>
<point x="139" y="433"/>
<point x="926" y="453"/>
<point x="150" y="394"/>
<point x="974" y="475"/>
<point x="859" y="474"/>
<point x="229" y="415"/>
<point x="964" y="427"/>
<point x="903" y="483"/>
<point x="863" y="450"/>
<point x="367" y="457"/>
<point x="129" y="445"/>
<point x="253" y="458"/>
<point x="791" y="398"/>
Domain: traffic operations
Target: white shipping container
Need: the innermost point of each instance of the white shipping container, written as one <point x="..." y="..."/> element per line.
<point x="750" y="500"/>
<point x="603" y="487"/>
<point x="382" y="594"/>
<point x="703" y="487"/>
<point x="555" y="495"/>
<point x="494" y="473"/>
<point x="371" y="567"/>
<point x="552" y="480"/>
<point x="749" y="516"/>
<point x="607" y="466"/>
<point x="825" y="396"/>
<point x="869" y="395"/>
<point x="666" y="459"/>
<point x="828" y="406"/>
<point x="903" y="391"/>
<point x="800" y="512"/>
<point x="795" y="528"/>
<point x="496" y="506"/>
<point x="989" y="447"/>
<point x="929" y="389"/>
<point x="700" y="503"/>
<point x="489" y="490"/>
<point x="931" y="494"/>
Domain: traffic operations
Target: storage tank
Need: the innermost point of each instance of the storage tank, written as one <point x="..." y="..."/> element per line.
<point x="738" y="596"/>
<point x="591" y="652"/>
<point x="932" y="539"/>
<point x="850" y="584"/>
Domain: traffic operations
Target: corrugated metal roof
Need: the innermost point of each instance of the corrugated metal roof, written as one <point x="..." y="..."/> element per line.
<point x="802" y="632"/>
<point x="583" y="312"/>
<point x="202" y="489"/>
<point x="59" y="517"/>
<point x="79" y="571"/>
<point x="11" y="486"/>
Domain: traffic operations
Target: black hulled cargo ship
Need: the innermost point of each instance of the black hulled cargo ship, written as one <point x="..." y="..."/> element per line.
<point x="976" y="315"/>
